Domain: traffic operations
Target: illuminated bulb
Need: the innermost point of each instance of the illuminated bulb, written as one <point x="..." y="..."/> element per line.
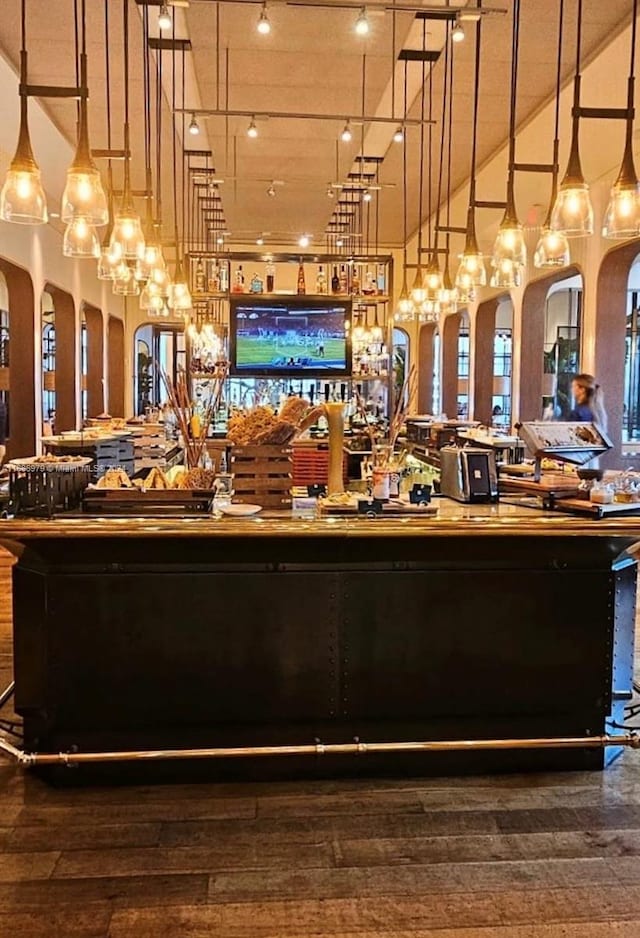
<point x="304" y="241"/>
<point x="339" y="243"/>
<point x="457" y="31"/>
<point x="80" y="239"/>
<point x="125" y="283"/>
<point x="471" y="271"/>
<point x="398" y="136"/>
<point x="194" y="127"/>
<point x="271" y="192"/>
<point x="260" y="241"/>
<point x="127" y="235"/>
<point x="552" y="249"/>
<point x="84" y="196"/>
<point x="507" y="274"/>
<point x="366" y="196"/>
<point x="346" y="136"/>
<point x="164" y="17"/>
<point x="219" y="240"/>
<point x="418" y="292"/>
<point x="573" y="211"/>
<point x="252" y="130"/>
<point x="330" y="193"/>
<point x="622" y="218"/>
<point x="23" y="199"/>
<point x="264" y="26"/>
<point x="510" y="245"/>
<point x="362" y="23"/>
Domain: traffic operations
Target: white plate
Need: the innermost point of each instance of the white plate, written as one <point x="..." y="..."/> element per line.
<point x="240" y="511"/>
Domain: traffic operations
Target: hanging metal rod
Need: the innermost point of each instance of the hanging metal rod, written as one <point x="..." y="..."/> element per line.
<point x="355" y="748"/>
<point x="372" y="6"/>
<point x="289" y="115"/>
<point x="53" y="91"/>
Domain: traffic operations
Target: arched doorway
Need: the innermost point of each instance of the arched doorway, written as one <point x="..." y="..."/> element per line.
<point x="59" y="372"/>
<point x="5" y="336"/>
<point x="493" y="361"/>
<point x="156" y="348"/>
<point x="115" y="361"/>
<point x="400" y="359"/>
<point x="92" y="360"/>
<point x="22" y="392"/>
<point x="428" y="368"/>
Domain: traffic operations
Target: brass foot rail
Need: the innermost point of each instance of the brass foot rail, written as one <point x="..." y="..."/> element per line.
<point x="630" y="740"/>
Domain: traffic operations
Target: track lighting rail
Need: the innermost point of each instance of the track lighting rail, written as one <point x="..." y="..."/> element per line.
<point x="298" y="115"/>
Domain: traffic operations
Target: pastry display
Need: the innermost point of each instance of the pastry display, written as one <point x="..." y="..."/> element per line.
<point x="262" y="427"/>
<point x="115" y="479"/>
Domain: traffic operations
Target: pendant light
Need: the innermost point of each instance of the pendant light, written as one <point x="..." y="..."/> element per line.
<point x="127" y="236"/>
<point x="124" y="282"/>
<point x="448" y="295"/>
<point x="405" y="311"/>
<point x="83" y="194"/>
<point x="472" y="272"/>
<point x="509" y="249"/>
<point x="418" y="291"/>
<point x="151" y="257"/>
<point x="622" y="219"/>
<point x="22" y="200"/>
<point x="109" y="260"/>
<point x="179" y="299"/>
<point x="81" y="239"/>
<point x="434" y="280"/>
<point x="552" y="249"/>
<point x="573" y="212"/>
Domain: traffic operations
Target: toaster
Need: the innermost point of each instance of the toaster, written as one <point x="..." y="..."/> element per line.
<point x="468" y="474"/>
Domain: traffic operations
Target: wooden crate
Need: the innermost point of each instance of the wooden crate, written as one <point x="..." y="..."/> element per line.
<point x="262" y="475"/>
<point x="147" y="503"/>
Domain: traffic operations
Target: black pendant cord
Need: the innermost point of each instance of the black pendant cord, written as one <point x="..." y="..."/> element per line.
<point x="404" y="177"/>
<point x="76" y="47"/>
<point x="556" y="119"/>
<point x="126" y="194"/>
<point x="422" y="114"/>
<point x="184" y="172"/>
<point x="476" y="105"/>
<point x="515" y="49"/>
<point x="146" y="82"/>
<point x="430" y="174"/>
<point x="628" y="167"/>
<point x="449" y="152"/>
<point x="107" y="72"/>
<point x="159" y="142"/>
<point x="443" y="119"/>
<point x="174" y="146"/>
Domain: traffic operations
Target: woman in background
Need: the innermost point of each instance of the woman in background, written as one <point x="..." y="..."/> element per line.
<point x="588" y="401"/>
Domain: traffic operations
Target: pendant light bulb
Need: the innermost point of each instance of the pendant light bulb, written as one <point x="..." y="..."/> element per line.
<point x="151" y="298"/>
<point x="304" y="241"/>
<point x="418" y="291"/>
<point x="457" y="30"/>
<point x="573" y="212"/>
<point x="433" y="278"/>
<point x="472" y="271"/>
<point x="125" y="283"/>
<point x="127" y="236"/>
<point x="464" y="286"/>
<point x="164" y="17"/>
<point x="81" y="239"/>
<point x="150" y="259"/>
<point x="194" y="126"/>
<point x="406" y="309"/>
<point x="252" y="130"/>
<point x="506" y="274"/>
<point x="22" y="200"/>
<point x="398" y="136"/>
<point x="264" y="24"/>
<point x="510" y="243"/>
<point x="622" y="219"/>
<point x="552" y="249"/>
<point x="109" y="262"/>
<point x="346" y="136"/>
<point x="179" y="296"/>
<point x="362" y="23"/>
<point x="366" y="196"/>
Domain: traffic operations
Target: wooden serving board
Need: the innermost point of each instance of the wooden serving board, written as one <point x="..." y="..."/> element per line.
<point x="155" y="501"/>
<point x="388" y="508"/>
<point x="583" y="507"/>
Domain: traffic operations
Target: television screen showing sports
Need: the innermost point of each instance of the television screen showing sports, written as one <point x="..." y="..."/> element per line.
<point x="290" y="337"/>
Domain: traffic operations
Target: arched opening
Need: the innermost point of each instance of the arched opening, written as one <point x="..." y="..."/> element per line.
<point x="58" y="358"/>
<point x="493" y="361"/>
<point x="400" y="361"/>
<point x="450" y="334"/>
<point x="537" y="336"/>
<point x="562" y="346"/>
<point x="115" y="362"/>
<point x="5" y="374"/>
<point x="92" y="361"/>
<point x="428" y="369"/>
<point x="22" y="387"/>
<point x="156" y="348"/>
<point x="611" y="338"/>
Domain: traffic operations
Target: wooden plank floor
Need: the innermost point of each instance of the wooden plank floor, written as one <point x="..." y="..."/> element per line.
<point x="553" y="856"/>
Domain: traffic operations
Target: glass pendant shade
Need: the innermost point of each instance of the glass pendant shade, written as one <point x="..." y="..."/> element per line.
<point x="109" y="262"/>
<point x="179" y="296"/>
<point x="406" y="309"/>
<point x="433" y="279"/>
<point x="81" y="239"/>
<point x="622" y="219"/>
<point x="418" y="291"/>
<point x="552" y="249"/>
<point x="151" y="258"/>
<point x="22" y="200"/>
<point x="429" y="311"/>
<point x="573" y="212"/>
<point x="506" y="275"/>
<point x="151" y="299"/>
<point x="448" y="294"/>
<point x="510" y="244"/>
<point x="127" y="236"/>
<point x="125" y="283"/>
<point x="84" y="196"/>
<point x="472" y="271"/>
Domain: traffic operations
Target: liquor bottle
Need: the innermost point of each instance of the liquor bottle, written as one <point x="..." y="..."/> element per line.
<point x="335" y="281"/>
<point x="321" y="282"/>
<point x="344" y="280"/>
<point x="214" y="277"/>
<point x="238" y="286"/>
<point x="271" y="277"/>
<point x="256" y="285"/>
<point x="381" y="280"/>
<point x="302" y="289"/>
<point x="224" y="277"/>
<point x="369" y="288"/>
<point x="355" y="281"/>
<point x="200" y="279"/>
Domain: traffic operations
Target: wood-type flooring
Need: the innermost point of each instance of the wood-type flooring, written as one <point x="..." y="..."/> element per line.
<point x="539" y="856"/>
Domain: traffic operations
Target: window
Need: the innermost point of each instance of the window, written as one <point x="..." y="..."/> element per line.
<point x="463" y="367"/>
<point x="400" y="362"/>
<point x="502" y="357"/>
<point x="157" y="349"/>
<point x="631" y="405"/>
<point x="561" y="350"/>
<point x="436" y="373"/>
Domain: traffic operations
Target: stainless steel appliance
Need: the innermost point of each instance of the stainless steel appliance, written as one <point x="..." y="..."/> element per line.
<point x="468" y="474"/>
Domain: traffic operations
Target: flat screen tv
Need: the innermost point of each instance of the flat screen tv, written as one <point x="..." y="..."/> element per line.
<point x="290" y="336"/>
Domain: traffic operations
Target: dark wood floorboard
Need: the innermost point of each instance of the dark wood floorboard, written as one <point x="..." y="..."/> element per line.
<point x="548" y="856"/>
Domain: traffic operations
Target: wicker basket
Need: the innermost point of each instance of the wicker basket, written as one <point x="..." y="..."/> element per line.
<point x="262" y="475"/>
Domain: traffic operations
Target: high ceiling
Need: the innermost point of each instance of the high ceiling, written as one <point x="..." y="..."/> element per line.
<point x="310" y="63"/>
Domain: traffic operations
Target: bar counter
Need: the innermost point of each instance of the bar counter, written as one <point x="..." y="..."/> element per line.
<point x="485" y="622"/>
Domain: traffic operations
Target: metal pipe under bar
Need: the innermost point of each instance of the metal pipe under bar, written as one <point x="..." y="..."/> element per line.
<point x="284" y="115"/>
<point x="631" y="741"/>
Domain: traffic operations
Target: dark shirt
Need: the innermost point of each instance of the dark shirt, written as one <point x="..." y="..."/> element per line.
<point x="3" y="423"/>
<point x="582" y="412"/>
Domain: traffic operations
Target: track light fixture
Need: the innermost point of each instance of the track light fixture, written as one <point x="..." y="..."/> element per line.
<point x="362" y="23"/>
<point x="264" y="24"/>
<point x="194" y="126"/>
<point x="252" y="130"/>
<point x="164" y="17"/>
<point x="398" y="136"/>
<point x="366" y="196"/>
<point x="330" y="193"/>
<point x="346" y="136"/>
<point x="260" y="241"/>
<point x="457" y="30"/>
<point x="271" y="191"/>
<point x="304" y="241"/>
